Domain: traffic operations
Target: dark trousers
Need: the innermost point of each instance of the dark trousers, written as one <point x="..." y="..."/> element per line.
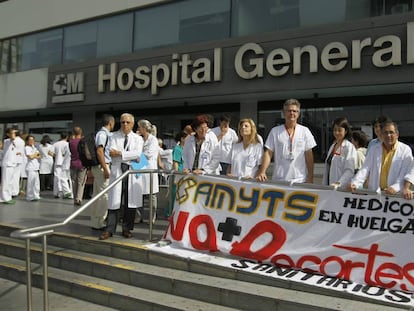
<point x="224" y="167"/>
<point x="128" y="214"/>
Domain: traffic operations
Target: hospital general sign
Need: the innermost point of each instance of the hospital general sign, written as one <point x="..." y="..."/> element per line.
<point x="251" y="61"/>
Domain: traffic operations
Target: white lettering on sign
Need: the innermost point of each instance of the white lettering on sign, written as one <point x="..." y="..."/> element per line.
<point x="253" y="61"/>
<point x="182" y="70"/>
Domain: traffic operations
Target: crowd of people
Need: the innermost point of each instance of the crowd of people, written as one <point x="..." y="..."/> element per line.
<point x="385" y="164"/>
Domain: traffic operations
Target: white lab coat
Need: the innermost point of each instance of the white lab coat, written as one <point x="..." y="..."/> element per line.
<point x="226" y="143"/>
<point x="61" y="181"/>
<point x="132" y="152"/>
<point x="151" y="150"/>
<point x="245" y="162"/>
<point x="32" y="170"/>
<point x="286" y="167"/>
<point x="209" y="159"/>
<point x="8" y="166"/>
<point x="46" y="160"/>
<point x="343" y="164"/>
<point x="20" y="169"/>
<point x="400" y="166"/>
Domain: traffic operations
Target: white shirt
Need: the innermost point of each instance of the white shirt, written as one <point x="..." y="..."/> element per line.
<point x="343" y="164"/>
<point x="226" y="143"/>
<point x="289" y="155"/>
<point x="46" y="160"/>
<point x="9" y="153"/>
<point x="32" y="164"/>
<point x="246" y="162"/>
<point x="400" y="166"/>
<point x="62" y="154"/>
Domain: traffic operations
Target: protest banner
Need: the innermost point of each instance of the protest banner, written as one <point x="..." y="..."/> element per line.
<point x="366" y="239"/>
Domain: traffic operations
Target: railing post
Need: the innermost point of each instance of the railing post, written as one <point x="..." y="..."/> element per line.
<point x="45" y="275"/>
<point x="28" y="276"/>
<point x="151" y="213"/>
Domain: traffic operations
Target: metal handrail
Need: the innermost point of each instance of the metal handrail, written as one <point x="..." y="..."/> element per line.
<point x="43" y="231"/>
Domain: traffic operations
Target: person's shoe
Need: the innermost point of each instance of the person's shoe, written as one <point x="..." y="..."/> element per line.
<point x="77" y="202"/>
<point x="35" y="199"/>
<point x="105" y="235"/>
<point x="68" y="196"/>
<point x="10" y="202"/>
<point x="126" y="234"/>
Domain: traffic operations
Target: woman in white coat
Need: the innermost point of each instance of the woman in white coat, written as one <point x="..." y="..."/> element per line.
<point x="201" y="153"/>
<point x="62" y="186"/>
<point x="151" y="151"/>
<point x="247" y="153"/>
<point x="340" y="163"/>
<point x="32" y="170"/>
<point x="124" y="147"/>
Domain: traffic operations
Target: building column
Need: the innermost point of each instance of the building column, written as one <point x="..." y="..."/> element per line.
<point x="248" y="109"/>
<point x="84" y="119"/>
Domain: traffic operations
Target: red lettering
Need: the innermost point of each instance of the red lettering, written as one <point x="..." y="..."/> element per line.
<point x="330" y="259"/>
<point x="243" y="248"/>
<point x="372" y="253"/>
<point x="314" y="259"/>
<point x="210" y="243"/>
<point x="177" y="230"/>
<point x="381" y="273"/>
<point x="410" y="277"/>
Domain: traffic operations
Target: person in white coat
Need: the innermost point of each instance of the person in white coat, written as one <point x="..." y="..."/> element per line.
<point x="124" y="146"/>
<point x="291" y="147"/>
<point x="20" y="168"/>
<point x="9" y="163"/>
<point x="151" y="150"/>
<point x="32" y="170"/>
<point x="246" y="154"/>
<point x="386" y="164"/>
<point x="226" y="137"/>
<point x="340" y="163"/>
<point x="46" y="163"/>
<point x="61" y="182"/>
<point x="201" y="153"/>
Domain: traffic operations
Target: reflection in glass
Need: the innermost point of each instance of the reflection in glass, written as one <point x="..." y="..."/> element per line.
<point x="184" y="22"/>
<point x="80" y="42"/>
<point x="38" y="50"/>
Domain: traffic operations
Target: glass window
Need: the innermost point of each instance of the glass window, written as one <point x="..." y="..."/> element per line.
<point x="115" y="35"/>
<point x="39" y="50"/>
<point x="248" y="17"/>
<point x="183" y="22"/>
<point x="80" y="42"/>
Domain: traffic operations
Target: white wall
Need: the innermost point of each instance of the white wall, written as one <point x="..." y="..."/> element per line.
<point x="23" y="90"/>
<point x="23" y="16"/>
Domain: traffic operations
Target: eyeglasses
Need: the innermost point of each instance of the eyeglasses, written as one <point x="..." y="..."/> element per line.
<point x="292" y="110"/>
<point x="389" y="133"/>
<point x="125" y="122"/>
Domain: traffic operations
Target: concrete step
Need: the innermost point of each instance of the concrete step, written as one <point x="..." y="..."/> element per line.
<point x="183" y="277"/>
<point x="104" y="292"/>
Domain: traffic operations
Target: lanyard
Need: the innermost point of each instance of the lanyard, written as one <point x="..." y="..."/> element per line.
<point x="291" y="135"/>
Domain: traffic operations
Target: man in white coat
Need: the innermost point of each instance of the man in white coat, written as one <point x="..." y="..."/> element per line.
<point x="386" y="164"/>
<point x="124" y="146"/>
<point x="61" y="181"/>
<point x="291" y="146"/>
